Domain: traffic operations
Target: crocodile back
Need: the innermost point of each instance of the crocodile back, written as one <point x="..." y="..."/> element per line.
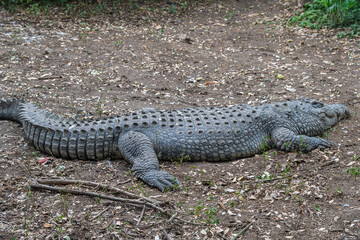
<point x="211" y="134"/>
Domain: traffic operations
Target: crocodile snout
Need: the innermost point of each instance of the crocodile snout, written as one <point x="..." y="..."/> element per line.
<point x="342" y="111"/>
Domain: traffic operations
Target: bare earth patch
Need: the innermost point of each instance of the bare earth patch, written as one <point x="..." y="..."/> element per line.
<point x="215" y="53"/>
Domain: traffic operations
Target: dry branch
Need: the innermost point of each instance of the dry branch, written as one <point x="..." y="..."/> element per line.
<point x="172" y="217"/>
<point x="242" y="231"/>
<point x="97" y="215"/>
<point x="92" y="194"/>
<point x="49" y="77"/>
<point x="141" y="216"/>
<point x="98" y="185"/>
<point x="140" y="201"/>
<point x="165" y="234"/>
<point x="264" y="180"/>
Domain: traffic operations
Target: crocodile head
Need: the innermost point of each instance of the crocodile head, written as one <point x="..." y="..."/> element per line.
<point x="329" y="114"/>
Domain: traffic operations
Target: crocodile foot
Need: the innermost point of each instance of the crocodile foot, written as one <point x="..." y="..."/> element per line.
<point x="161" y="180"/>
<point x="323" y="143"/>
<point x="312" y="143"/>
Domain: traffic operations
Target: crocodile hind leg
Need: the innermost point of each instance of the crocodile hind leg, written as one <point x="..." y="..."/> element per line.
<point x="138" y="150"/>
<point x="287" y="140"/>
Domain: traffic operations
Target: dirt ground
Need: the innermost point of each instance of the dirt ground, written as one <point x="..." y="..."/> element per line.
<point x="213" y="53"/>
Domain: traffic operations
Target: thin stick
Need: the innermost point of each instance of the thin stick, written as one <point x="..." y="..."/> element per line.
<point x="126" y="181"/>
<point x="146" y="201"/>
<point x="141" y="215"/>
<point x="242" y="231"/>
<point x="165" y="234"/>
<point x="264" y="180"/>
<point x="49" y="77"/>
<point x="188" y="222"/>
<point x="288" y="225"/>
<point x="92" y="194"/>
<point x="98" y="185"/>
<point x="223" y="237"/>
<point x="144" y="226"/>
<point x="100" y="213"/>
<point x="172" y="217"/>
<point x="109" y="224"/>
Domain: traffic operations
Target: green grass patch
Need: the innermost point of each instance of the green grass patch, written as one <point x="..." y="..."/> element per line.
<point x="330" y="14"/>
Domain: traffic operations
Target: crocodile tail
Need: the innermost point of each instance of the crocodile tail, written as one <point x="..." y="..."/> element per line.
<point x="10" y="108"/>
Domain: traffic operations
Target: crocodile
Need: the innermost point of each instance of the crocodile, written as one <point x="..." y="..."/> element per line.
<point x="197" y="134"/>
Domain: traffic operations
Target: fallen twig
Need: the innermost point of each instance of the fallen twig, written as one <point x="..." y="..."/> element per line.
<point x="92" y="194"/>
<point x="264" y="180"/>
<point x="126" y="181"/>
<point x="165" y="234"/>
<point x="172" y="217"/>
<point x="223" y="237"/>
<point x="98" y="185"/>
<point x="49" y="77"/>
<point x="288" y="225"/>
<point x="97" y="215"/>
<point x="142" y="201"/>
<point x="188" y="222"/>
<point x="141" y="216"/>
<point x="242" y="231"/>
<point x="109" y="224"/>
<point x="328" y="163"/>
<point x="145" y="226"/>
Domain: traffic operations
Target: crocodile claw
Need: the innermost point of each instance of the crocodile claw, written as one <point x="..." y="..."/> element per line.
<point x="324" y="143"/>
<point x="312" y="143"/>
<point x="161" y="180"/>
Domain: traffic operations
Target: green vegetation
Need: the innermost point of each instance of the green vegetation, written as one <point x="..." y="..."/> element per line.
<point x="331" y="14"/>
<point x="182" y="158"/>
<point x="351" y="32"/>
<point x="172" y="9"/>
<point x="206" y="214"/>
<point x="355" y="171"/>
<point x="33" y="6"/>
<point x="286" y="171"/>
<point x="266" y="176"/>
<point x="230" y="14"/>
<point x="118" y="43"/>
<point x="265" y="144"/>
<point x="85" y="9"/>
<point x="318" y="209"/>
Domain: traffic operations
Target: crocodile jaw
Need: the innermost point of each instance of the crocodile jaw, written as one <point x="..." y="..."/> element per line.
<point x="331" y="114"/>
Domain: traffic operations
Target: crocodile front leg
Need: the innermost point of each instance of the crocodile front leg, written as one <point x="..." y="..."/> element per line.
<point x="138" y="150"/>
<point x="287" y="140"/>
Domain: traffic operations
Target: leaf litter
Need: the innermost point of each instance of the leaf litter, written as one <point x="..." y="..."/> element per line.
<point x="213" y="54"/>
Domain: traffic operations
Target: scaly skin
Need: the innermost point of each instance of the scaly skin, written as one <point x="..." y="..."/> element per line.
<point x="199" y="134"/>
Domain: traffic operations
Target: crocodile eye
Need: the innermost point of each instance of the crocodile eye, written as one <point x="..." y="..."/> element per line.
<point x="330" y="114"/>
